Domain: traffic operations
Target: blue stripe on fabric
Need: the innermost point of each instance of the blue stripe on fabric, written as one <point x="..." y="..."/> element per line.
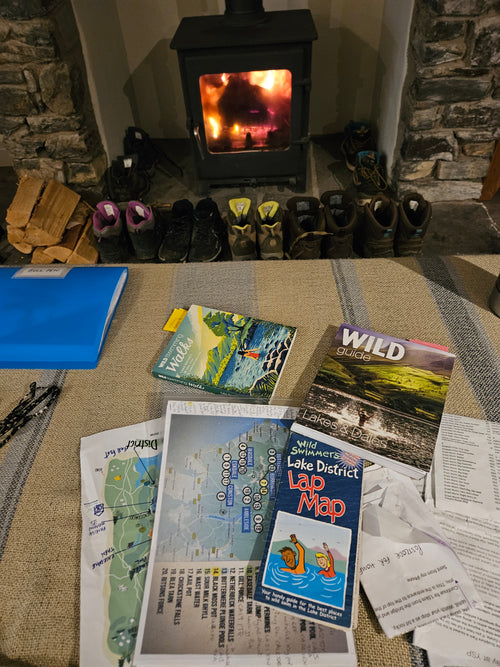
<point x="351" y="297"/>
<point x="205" y="288"/>
<point x="470" y="341"/>
<point x="21" y="452"/>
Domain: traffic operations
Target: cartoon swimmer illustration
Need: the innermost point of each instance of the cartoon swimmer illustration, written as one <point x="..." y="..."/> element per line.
<point x="295" y="562"/>
<point x="325" y="561"/>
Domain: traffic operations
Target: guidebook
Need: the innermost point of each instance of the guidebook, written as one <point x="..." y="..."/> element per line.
<point x="226" y="353"/>
<point x="216" y="491"/>
<point x="310" y="565"/>
<point x="379" y="397"/>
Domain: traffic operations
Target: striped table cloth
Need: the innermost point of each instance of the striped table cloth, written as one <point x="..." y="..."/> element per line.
<point x="439" y="299"/>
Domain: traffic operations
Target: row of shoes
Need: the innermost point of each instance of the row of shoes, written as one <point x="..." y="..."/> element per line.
<point x="331" y="227"/>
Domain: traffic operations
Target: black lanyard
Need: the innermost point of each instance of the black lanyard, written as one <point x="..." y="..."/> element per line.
<point x="23" y="411"/>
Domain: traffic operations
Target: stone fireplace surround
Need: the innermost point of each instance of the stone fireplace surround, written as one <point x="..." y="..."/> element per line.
<point x="450" y="110"/>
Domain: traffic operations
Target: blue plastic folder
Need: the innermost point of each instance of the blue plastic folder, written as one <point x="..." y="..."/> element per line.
<point x="57" y="316"/>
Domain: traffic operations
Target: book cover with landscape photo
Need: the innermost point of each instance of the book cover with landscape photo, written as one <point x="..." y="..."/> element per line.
<point x="226" y="353"/>
<point x="382" y="397"/>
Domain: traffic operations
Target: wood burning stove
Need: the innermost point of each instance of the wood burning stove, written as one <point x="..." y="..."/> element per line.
<point x="246" y="78"/>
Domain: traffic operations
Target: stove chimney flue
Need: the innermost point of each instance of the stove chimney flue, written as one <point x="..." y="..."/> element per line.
<point x="244" y="12"/>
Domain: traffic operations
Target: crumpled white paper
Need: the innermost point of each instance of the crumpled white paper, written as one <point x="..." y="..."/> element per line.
<point x="410" y="573"/>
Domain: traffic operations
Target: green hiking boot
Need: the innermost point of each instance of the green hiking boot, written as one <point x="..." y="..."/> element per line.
<point x="305" y="228"/>
<point x="270" y="230"/>
<point x="414" y="216"/>
<point x="341" y="219"/>
<point x="380" y="219"/>
<point x="241" y="229"/>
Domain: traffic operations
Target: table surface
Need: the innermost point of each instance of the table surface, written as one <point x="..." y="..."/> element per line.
<point x="438" y="299"/>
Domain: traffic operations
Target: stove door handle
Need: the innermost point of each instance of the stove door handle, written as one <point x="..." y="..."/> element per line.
<point x="197" y="136"/>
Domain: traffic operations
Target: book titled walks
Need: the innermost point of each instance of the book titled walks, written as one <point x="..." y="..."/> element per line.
<point x="310" y="565"/>
<point x="57" y="316"/>
<point x="379" y="397"/>
<point x="226" y="353"/>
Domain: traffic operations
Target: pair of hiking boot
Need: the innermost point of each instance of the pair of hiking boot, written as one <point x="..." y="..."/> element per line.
<point x="121" y="233"/>
<point x="321" y="228"/>
<point x="391" y="229"/>
<point x="193" y="234"/>
<point x="253" y="234"/>
<point x="129" y="176"/>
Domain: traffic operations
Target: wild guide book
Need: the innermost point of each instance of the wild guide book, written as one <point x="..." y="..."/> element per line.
<point x="310" y="563"/>
<point x="379" y="397"/>
<point x="226" y="353"/>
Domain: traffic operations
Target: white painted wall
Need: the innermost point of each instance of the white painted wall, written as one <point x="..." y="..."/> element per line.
<point x="108" y="71"/>
<point x="391" y="72"/>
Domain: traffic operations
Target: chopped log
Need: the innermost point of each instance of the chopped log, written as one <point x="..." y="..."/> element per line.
<point x="39" y="256"/>
<point x="15" y="234"/>
<point x="85" y="251"/>
<point x="25" y="199"/>
<point x="62" y="251"/>
<point x="55" y="208"/>
<point x="25" y="248"/>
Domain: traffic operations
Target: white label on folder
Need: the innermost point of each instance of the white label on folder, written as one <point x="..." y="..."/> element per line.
<point x="42" y="272"/>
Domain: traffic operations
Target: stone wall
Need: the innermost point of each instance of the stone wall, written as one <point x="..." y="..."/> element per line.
<point x="46" y="119"/>
<point x="450" y="115"/>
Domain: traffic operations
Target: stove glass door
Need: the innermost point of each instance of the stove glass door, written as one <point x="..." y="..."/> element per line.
<point x="247" y="111"/>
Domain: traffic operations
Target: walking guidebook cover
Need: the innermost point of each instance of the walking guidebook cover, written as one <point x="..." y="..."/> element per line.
<point x="226" y="353"/>
<point x="310" y="561"/>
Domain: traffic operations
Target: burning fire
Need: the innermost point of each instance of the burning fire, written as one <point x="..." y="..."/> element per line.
<point x="246" y="110"/>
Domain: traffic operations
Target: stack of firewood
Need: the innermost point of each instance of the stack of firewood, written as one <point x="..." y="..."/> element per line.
<point x="52" y="223"/>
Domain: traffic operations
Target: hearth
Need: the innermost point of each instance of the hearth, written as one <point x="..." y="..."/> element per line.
<point x="246" y="78"/>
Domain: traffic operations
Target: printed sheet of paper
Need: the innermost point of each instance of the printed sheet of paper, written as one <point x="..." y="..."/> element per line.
<point x="473" y="637"/>
<point x="216" y="492"/>
<point x="466" y="467"/>
<point x="409" y="572"/>
<point x="120" y="470"/>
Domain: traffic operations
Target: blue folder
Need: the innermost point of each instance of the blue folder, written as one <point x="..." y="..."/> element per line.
<point x="57" y="316"/>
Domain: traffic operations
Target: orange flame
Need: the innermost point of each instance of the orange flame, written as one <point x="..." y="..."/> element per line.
<point x="275" y="93"/>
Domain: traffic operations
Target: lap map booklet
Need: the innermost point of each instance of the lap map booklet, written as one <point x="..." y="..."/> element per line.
<point x="310" y="565"/>
<point x="216" y="492"/>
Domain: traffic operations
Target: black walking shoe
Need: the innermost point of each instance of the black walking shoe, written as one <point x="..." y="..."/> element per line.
<point x="176" y="241"/>
<point x="124" y="180"/>
<point x="109" y="233"/>
<point x="137" y="141"/>
<point x="143" y="230"/>
<point x="208" y="232"/>
<point x="151" y="156"/>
